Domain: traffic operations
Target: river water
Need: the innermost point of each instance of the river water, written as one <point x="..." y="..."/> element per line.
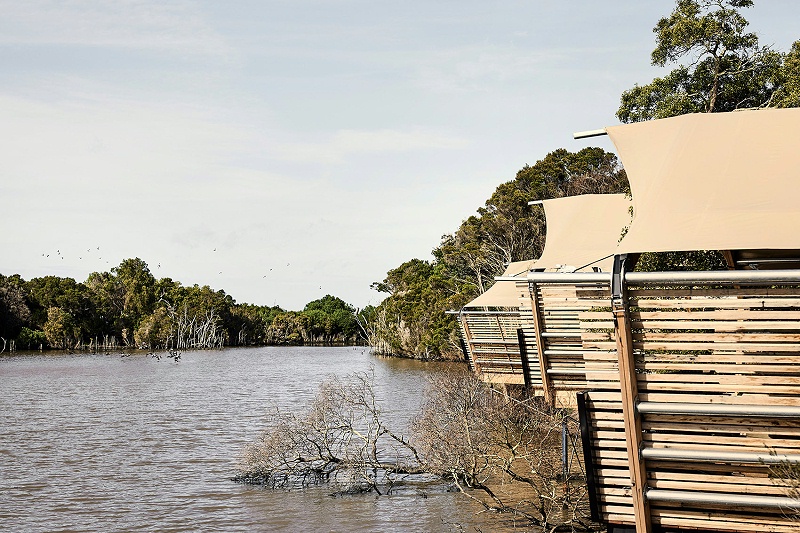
<point x="94" y="442"/>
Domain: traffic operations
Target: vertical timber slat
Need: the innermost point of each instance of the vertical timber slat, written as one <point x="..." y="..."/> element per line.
<point x="588" y="459"/>
<point x="470" y="346"/>
<point x="630" y="395"/>
<point x="538" y="325"/>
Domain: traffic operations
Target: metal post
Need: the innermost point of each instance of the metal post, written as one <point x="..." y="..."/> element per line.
<point x="523" y="356"/>
<point x="564" y="455"/>
<point x="588" y="458"/>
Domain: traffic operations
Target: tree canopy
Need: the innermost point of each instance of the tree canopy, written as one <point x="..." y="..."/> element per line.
<point x="412" y="321"/>
<point x="719" y="65"/>
<point x="128" y="306"/>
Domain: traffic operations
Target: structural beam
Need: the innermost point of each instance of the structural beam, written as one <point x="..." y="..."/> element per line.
<point x="470" y="346"/>
<point x="712" y="409"/>
<point x="589" y="133"/>
<point x="712" y="456"/>
<point x="722" y="277"/>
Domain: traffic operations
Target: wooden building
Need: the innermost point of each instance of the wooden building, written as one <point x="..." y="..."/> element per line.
<point x="688" y="383"/>
<point x="515" y="333"/>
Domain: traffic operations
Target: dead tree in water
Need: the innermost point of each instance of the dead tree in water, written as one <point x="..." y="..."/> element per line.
<point x="340" y="439"/>
<point x="193" y="330"/>
<point x="503" y="453"/>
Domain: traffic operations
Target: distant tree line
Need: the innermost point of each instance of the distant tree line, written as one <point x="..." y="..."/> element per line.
<point x="129" y="307"/>
<point x="719" y="66"/>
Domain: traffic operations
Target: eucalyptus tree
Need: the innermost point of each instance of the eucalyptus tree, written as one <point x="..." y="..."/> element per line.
<point x="719" y="65"/>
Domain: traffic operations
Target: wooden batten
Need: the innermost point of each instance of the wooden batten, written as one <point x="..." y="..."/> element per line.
<point x="630" y="396"/>
<point x="728" y="360"/>
<point x="538" y="324"/>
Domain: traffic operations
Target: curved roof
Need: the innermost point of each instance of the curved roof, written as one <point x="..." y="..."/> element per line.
<point x="517" y="268"/>
<point x="718" y="181"/>
<point x="501" y="294"/>
<point x="583" y="231"/>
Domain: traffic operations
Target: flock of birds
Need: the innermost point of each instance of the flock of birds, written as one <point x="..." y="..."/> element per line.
<point x="158" y="266"/>
<point x="60" y="255"/>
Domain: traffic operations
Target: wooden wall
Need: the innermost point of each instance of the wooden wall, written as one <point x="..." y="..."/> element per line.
<point x="701" y="346"/>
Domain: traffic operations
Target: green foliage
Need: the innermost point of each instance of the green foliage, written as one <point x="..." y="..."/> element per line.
<point x="669" y="261"/>
<point x="61" y="329"/>
<point x="329" y="320"/>
<point x="14" y="311"/>
<point x="31" y="339"/>
<point x="788" y="92"/>
<point x="130" y="304"/>
<point x="725" y="68"/>
<point x="412" y="320"/>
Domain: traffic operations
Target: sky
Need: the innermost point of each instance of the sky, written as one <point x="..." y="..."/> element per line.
<point x="282" y="150"/>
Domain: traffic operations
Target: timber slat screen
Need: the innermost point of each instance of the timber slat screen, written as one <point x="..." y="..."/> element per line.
<point x="718" y="375"/>
<point x="493" y="344"/>
<point x="571" y="366"/>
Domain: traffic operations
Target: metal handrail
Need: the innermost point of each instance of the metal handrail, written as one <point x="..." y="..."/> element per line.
<point x="707" y="409"/>
<point x="722" y="498"/>
<point x="734" y="277"/>
<point x="673" y="454"/>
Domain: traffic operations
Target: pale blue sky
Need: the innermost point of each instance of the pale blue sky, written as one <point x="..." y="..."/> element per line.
<point x="283" y="150"/>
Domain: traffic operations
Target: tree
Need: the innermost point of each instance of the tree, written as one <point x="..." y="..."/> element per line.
<point x="488" y="446"/>
<point x="61" y="329"/>
<point x="508" y="229"/>
<point x="14" y="311"/>
<point x="68" y="297"/>
<point x="138" y="293"/>
<point x="494" y="448"/>
<point x="340" y="438"/>
<point x="788" y="92"/>
<point x="725" y="68"/>
<point x="413" y="320"/>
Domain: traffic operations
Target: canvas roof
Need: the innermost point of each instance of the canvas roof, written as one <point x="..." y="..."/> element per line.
<point x="583" y="231"/>
<point x="501" y="294"/>
<point x="519" y="267"/>
<point x="718" y="181"/>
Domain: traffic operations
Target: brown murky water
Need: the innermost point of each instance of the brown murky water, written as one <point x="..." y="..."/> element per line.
<point x="111" y="443"/>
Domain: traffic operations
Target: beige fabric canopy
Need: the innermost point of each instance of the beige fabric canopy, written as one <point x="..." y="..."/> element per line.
<point x="501" y="294"/>
<point x="519" y="267"/>
<point x="719" y="181"/>
<point x="583" y="231"/>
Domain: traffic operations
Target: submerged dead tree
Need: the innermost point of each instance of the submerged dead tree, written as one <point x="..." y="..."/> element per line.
<point x="502" y="452"/>
<point x="340" y="439"/>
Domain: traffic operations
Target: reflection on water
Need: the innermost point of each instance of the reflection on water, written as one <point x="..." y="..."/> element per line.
<point x="109" y="443"/>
